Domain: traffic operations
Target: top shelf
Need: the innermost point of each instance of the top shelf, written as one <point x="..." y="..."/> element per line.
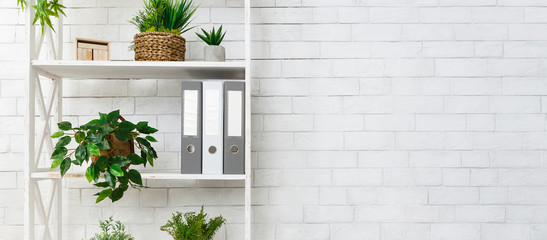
<point x="141" y="70"/>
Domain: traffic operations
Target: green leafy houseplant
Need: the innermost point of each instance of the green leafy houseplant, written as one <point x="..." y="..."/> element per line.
<point x="45" y="9"/>
<point x="170" y="16"/>
<point x="213" y="37"/>
<point x="193" y="226"/>
<point x="110" y="144"/>
<point x="112" y="230"/>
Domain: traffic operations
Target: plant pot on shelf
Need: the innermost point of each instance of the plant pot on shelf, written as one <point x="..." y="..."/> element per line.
<point x="214" y="53"/>
<point x="117" y="148"/>
<point x="159" y="46"/>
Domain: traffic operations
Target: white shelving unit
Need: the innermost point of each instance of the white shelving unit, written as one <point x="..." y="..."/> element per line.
<point x="48" y="109"/>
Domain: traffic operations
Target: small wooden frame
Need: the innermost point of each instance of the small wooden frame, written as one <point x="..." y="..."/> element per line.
<point x="91" y="50"/>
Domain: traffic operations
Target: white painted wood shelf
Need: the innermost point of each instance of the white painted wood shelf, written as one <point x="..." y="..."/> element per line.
<point x="140" y="70"/>
<point x="146" y="175"/>
<point x="43" y="207"/>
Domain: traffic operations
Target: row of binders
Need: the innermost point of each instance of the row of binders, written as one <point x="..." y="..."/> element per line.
<point x="213" y="127"/>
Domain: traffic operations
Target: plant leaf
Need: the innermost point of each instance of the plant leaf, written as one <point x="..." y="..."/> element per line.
<point x="122" y="136"/>
<point x="93" y="149"/>
<point x="151" y="139"/>
<point x="65" y="126"/>
<point x="221" y="38"/>
<point x="111" y="180"/>
<point x="101" y="184"/>
<point x="104" y="145"/>
<point x="102" y="163"/>
<point x="126" y="126"/>
<point x="150" y="159"/>
<point x="203" y="38"/>
<point x="90" y="173"/>
<point x="113" y="117"/>
<point x="124" y="180"/>
<point x="103" y="118"/>
<point x="95" y="138"/>
<point x="63" y="141"/>
<point x="97" y="172"/>
<point x="79" y="136"/>
<point x="143" y="142"/>
<point x="56" y="163"/>
<point x="58" y="134"/>
<point x="135" y="176"/>
<point x="22" y="3"/>
<point x="143" y="156"/>
<point x="105" y="129"/>
<point x="59" y="152"/>
<point x="135" y="159"/>
<point x="65" y="165"/>
<point x="117" y="194"/>
<point x="116" y="171"/>
<point x="104" y="194"/>
<point x="143" y="127"/>
<point x="81" y="153"/>
<point x="120" y="161"/>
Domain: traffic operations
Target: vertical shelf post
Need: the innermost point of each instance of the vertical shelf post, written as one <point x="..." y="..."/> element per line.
<point x="30" y="102"/>
<point x="34" y="95"/>
<point x="59" y="117"/>
<point x="248" y="169"/>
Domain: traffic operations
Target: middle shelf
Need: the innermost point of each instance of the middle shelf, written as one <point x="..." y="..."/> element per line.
<point x="140" y="70"/>
<point x="146" y="175"/>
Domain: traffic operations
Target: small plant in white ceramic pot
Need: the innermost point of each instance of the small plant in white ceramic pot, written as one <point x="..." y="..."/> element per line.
<point x="213" y="52"/>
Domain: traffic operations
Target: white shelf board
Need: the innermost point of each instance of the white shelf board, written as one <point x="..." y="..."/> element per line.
<point x="146" y="175"/>
<point x="140" y="70"/>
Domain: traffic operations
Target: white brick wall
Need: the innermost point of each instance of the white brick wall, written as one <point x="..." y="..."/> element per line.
<point x="372" y="120"/>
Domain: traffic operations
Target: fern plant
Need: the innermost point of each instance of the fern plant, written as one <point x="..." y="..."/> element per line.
<point x="171" y="16"/>
<point x="212" y="38"/>
<point x="193" y="226"/>
<point x="45" y="9"/>
<point x="112" y="230"/>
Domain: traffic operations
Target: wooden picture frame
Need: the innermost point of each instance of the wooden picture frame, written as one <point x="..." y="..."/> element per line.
<point x="91" y="50"/>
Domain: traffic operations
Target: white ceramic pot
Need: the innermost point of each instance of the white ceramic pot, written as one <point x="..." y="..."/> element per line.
<point x="214" y="53"/>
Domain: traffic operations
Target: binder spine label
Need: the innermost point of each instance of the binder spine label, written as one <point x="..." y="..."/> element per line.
<point x="213" y="118"/>
<point x="235" y="105"/>
<point x="234" y="128"/>
<point x="191" y="149"/>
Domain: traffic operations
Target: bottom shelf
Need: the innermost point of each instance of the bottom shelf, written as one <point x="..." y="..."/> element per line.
<point x="147" y="175"/>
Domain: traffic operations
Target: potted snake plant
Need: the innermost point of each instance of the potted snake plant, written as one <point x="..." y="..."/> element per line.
<point x="213" y="52"/>
<point x="109" y="142"/>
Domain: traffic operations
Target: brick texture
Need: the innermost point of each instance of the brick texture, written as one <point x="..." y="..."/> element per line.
<point x="372" y="120"/>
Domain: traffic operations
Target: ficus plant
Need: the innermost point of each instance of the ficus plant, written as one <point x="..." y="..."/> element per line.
<point x="45" y="9"/>
<point x="106" y="141"/>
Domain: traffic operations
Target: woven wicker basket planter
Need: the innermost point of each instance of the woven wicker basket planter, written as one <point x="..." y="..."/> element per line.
<point x="159" y="46"/>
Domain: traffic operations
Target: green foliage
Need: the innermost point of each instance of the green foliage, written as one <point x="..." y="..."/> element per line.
<point x="45" y="9"/>
<point x="213" y="37"/>
<point x="112" y="230"/>
<point x="171" y="16"/>
<point x="193" y="226"/>
<point x="91" y="139"/>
